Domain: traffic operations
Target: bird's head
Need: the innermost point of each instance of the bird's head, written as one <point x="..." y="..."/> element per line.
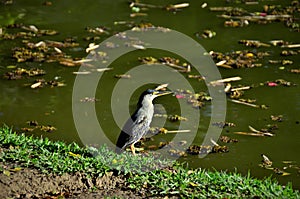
<point x="150" y="94"/>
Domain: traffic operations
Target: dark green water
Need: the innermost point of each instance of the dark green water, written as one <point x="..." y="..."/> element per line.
<point x="53" y="106"/>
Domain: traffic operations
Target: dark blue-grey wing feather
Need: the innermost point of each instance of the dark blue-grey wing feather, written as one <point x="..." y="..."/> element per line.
<point x="134" y="129"/>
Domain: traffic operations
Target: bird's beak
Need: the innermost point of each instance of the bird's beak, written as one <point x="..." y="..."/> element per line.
<point x="161" y="93"/>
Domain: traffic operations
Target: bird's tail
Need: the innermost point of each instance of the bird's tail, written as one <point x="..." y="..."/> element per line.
<point x="122" y="142"/>
<point x="119" y="150"/>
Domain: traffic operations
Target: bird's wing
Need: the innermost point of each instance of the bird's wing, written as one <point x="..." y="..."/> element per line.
<point x="140" y="120"/>
<point x="134" y="129"/>
<point x="138" y="130"/>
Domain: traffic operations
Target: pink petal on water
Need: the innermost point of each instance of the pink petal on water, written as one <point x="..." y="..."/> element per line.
<point x="179" y="96"/>
<point x="272" y="84"/>
<point x="263" y="14"/>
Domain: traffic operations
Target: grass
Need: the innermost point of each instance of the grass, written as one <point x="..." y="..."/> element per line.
<point x="58" y="157"/>
<point x="155" y="176"/>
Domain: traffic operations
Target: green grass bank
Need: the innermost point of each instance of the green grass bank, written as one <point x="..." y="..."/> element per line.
<point x="154" y="176"/>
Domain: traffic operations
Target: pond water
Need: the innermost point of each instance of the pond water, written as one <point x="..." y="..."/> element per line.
<point x="53" y="106"/>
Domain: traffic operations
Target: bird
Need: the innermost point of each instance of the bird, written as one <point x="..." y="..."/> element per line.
<point x="138" y="124"/>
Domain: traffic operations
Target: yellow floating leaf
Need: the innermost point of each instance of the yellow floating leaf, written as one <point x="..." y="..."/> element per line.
<point x="268" y="167"/>
<point x="285" y="174"/>
<point x="59" y="84"/>
<point x="249" y="55"/>
<point x="287" y="162"/>
<point x="11" y="66"/>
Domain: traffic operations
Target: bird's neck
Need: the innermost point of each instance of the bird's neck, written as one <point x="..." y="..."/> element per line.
<point x="146" y="104"/>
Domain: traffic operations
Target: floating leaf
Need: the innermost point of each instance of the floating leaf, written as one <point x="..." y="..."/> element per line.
<point x="285" y="174"/>
<point x="11" y="67"/>
<point x="266" y="161"/>
<point x="36" y="85"/>
<point x="287" y="162"/>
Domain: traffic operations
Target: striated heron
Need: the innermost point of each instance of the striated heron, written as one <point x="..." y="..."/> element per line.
<point x="139" y="124"/>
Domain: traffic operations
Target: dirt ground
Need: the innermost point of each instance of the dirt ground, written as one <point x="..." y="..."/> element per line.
<point x="31" y="183"/>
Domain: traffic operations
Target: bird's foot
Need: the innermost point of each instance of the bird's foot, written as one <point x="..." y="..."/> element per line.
<point x="132" y="149"/>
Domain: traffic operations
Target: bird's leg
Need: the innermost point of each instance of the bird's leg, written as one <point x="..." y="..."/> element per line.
<point x="132" y="149"/>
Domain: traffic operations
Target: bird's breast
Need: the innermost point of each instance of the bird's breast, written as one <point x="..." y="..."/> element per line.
<point x="147" y="114"/>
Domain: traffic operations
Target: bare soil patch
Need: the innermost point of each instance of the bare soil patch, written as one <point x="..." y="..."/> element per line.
<point x="31" y="183"/>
